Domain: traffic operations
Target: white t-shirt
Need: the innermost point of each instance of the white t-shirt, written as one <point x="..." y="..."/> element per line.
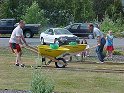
<point x="16" y="32"/>
<point x="97" y="32"/>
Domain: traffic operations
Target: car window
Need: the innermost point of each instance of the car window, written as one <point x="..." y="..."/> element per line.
<point x="75" y="26"/>
<point x="50" y="32"/>
<point x="62" y="31"/>
<point x="46" y="32"/>
<point x="84" y="26"/>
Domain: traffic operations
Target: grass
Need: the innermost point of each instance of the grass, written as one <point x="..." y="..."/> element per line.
<point x="77" y="77"/>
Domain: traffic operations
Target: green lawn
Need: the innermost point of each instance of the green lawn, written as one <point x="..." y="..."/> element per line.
<point x="77" y="77"/>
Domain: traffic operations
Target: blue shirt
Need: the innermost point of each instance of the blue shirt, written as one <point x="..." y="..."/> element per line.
<point x="109" y="40"/>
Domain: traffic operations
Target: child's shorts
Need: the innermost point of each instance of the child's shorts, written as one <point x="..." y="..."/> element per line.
<point x="109" y="48"/>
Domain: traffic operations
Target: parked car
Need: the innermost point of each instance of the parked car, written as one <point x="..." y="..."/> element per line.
<point x="7" y="26"/>
<point x="62" y="35"/>
<point x="80" y="29"/>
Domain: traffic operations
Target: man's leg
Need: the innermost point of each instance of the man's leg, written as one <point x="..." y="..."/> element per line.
<point x="19" y="53"/>
<point x="103" y="42"/>
<point x="17" y="57"/>
<point x="99" y="53"/>
<point x="102" y="54"/>
<point x="14" y="50"/>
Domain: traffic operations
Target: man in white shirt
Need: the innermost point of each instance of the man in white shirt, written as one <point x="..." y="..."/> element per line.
<point x="16" y="42"/>
<point x="100" y="42"/>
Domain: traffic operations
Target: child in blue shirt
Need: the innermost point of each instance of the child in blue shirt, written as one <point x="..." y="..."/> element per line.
<point x="109" y="44"/>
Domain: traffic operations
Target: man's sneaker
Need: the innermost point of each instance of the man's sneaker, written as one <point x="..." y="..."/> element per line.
<point x="16" y="64"/>
<point x="101" y="62"/>
<point x="22" y="65"/>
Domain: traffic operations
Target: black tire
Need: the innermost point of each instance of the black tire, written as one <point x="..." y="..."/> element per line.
<point x="61" y="64"/>
<point x="28" y="34"/>
<point x="42" y="41"/>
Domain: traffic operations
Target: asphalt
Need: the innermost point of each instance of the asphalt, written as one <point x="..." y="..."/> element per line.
<point x="4" y="42"/>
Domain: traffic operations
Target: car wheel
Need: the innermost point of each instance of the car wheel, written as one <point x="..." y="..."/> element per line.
<point x="90" y="36"/>
<point x="28" y="34"/>
<point x="61" y="63"/>
<point x="42" y="41"/>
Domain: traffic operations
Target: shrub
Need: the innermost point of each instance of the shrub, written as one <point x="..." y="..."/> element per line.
<point x="117" y="52"/>
<point x="116" y="26"/>
<point x="34" y="15"/>
<point x="41" y="83"/>
<point x="108" y="24"/>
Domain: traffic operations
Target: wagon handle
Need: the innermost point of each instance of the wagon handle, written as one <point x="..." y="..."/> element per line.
<point x="33" y="49"/>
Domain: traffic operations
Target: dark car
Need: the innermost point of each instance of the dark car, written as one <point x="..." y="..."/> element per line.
<point x="7" y="26"/>
<point x="80" y="29"/>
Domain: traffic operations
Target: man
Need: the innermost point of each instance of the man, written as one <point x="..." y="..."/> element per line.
<point x="100" y="42"/>
<point x="16" y="42"/>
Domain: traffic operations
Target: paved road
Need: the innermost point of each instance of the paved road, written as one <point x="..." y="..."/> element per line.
<point x="35" y="41"/>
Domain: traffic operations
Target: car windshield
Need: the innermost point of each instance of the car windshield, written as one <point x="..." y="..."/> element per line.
<point x="62" y="31"/>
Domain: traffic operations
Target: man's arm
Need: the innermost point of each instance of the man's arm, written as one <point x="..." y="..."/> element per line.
<point x="98" y="40"/>
<point x="97" y="34"/>
<point x="24" y="40"/>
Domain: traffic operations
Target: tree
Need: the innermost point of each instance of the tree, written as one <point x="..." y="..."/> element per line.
<point x="100" y="6"/>
<point x="34" y="14"/>
<point x="114" y="10"/>
<point x="62" y="12"/>
<point x="4" y="8"/>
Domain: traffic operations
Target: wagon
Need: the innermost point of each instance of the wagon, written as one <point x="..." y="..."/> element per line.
<point x="53" y="54"/>
<point x="57" y="55"/>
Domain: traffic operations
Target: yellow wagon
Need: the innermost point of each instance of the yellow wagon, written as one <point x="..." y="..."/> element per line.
<point x="56" y="55"/>
<point x="53" y="55"/>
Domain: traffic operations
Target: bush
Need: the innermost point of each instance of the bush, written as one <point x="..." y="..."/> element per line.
<point x="34" y="15"/>
<point x="117" y="52"/>
<point x="116" y="26"/>
<point x="41" y="84"/>
<point x="108" y="24"/>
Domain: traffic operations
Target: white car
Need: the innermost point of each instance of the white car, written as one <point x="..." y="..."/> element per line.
<point x="63" y="36"/>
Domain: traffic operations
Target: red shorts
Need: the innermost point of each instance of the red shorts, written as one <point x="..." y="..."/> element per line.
<point x="109" y="48"/>
<point x="15" y="46"/>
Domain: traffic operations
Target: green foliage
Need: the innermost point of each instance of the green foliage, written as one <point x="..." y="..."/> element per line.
<point x="100" y="6"/>
<point x="60" y="12"/>
<point x="116" y="26"/>
<point x="114" y="10"/>
<point x="108" y="24"/>
<point x="34" y="14"/>
<point x="3" y="9"/>
<point x="117" y="52"/>
<point x="22" y="7"/>
<point x="41" y="84"/>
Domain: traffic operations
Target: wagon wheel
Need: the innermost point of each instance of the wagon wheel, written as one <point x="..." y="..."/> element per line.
<point x="67" y="57"/>
<point x="61" y="63"/>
